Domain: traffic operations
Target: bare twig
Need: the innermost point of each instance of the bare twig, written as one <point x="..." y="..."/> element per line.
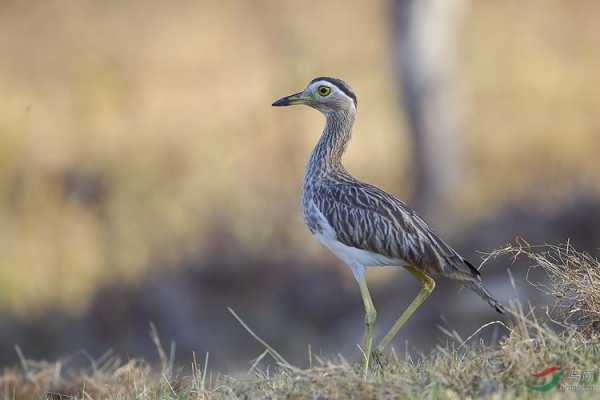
<point x="278" y="357"/>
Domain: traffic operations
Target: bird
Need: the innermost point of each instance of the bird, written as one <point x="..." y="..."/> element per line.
<point x="365" y="226"/>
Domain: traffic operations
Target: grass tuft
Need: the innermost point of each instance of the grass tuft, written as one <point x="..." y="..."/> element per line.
<point x="566" y="335"/>
<point x="574" y="282"/>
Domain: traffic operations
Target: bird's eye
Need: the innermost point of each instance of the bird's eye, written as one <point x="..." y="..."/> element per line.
<point x="324" y="90"/>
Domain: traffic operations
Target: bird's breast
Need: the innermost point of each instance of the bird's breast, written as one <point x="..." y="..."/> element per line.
<point x="326" y="235"/>
<point x="313" y="219"/>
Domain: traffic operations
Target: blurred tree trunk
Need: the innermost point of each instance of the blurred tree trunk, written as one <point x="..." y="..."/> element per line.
<point x="425" y="33"/>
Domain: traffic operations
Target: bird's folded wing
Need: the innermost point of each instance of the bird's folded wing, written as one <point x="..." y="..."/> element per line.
<point x="365" y="217"/>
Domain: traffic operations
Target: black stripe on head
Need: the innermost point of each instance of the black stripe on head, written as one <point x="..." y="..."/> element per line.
<point x="340" y="84"/>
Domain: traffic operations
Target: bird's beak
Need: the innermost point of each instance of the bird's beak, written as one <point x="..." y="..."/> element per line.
<point x="298" y="98"/>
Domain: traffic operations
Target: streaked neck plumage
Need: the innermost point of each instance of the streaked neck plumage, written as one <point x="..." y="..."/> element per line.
<point x="326" y="158"/>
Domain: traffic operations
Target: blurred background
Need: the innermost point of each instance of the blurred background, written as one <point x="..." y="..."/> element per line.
<point x="144" y="176"/>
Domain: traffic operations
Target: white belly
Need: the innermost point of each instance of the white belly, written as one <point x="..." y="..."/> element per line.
<point x="352" y="255"/>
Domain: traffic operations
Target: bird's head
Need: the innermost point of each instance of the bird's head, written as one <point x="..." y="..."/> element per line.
<point x="324" y="94"/>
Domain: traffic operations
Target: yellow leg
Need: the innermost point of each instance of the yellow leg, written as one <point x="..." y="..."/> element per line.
<point x="428" y="285"/>
<point x="370" y="315"/>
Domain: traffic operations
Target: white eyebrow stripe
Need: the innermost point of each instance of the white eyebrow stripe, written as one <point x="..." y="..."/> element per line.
<point x="324" y="83"/>
<point x="331" y="85"/>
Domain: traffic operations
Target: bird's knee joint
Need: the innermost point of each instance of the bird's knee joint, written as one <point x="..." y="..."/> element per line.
<point x="429" y="284"/>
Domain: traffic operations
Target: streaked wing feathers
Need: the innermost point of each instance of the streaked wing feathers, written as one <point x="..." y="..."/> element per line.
<point x="365" y="217"/>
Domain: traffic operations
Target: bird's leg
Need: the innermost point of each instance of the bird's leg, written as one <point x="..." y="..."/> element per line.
<point x="370" y="315"/>
<point x="428" y="284"/>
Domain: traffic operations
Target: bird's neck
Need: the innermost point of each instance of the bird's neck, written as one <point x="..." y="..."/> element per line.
<point x="326" y="157"/>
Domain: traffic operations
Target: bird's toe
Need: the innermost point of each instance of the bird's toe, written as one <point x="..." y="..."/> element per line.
<point x="378" y="362"/>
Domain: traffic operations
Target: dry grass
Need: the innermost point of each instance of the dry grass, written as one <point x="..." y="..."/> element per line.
<point x="574" y="282"/>
<point x="459" y="369"/>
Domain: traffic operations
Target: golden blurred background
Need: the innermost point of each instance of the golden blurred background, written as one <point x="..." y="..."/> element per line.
<point x="137" y="140"/>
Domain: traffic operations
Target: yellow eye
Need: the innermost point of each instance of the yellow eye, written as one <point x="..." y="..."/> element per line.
<point x="324" y="90"/>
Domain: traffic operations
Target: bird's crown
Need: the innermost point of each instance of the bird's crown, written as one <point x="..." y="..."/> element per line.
<point x="340" y="84"/>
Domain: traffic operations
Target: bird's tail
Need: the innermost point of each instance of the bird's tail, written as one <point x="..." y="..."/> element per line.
<point x="478" y="288"/>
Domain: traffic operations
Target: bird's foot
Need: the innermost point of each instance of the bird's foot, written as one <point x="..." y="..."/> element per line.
<point x="378" y="361"/>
